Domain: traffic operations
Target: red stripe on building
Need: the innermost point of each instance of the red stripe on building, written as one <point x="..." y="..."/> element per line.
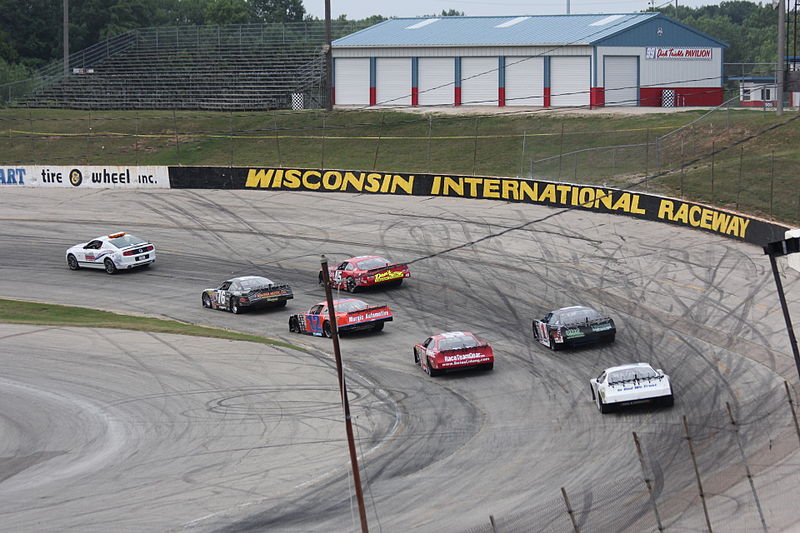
<point x="373" y="96"/>
<point x="458" y="96"/>
<point x="501" y="96"/>
<point x="414" y="96"/>
<point x="547" y="97"/>
<point x="597" y="97"/>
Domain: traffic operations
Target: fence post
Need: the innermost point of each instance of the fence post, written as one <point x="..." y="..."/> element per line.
<point x="522" y="156"/>
<point x="647" y="480"/>
<point x="378" y="142"/>
<point x="570" y="511"/>
<point x="475" y="148"/>
<point x="683" y="166"/>
<point x="177" y="141"/>
<point x="430" y="130"/>
<point x="277" y="139"/>
<point x="491" y="521"/>
<point x="230" y="137"/>
<point x="560" y="150"/>
<point x="771" y="181"/>
<point x="713" y="166"/>
<point x="739" y="189"/>
<point x="697" y="474"/>
<point x="791" y="406"/>
<point x="322" y="155"/>
<point x="747" y="467"/>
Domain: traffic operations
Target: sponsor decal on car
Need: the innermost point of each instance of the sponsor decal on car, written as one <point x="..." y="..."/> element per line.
<point x="367" y="316"/>
<point x="601" y="327"/>
<point x="462" y="356"/>
<point x="389" y="275"/>
<point x="573" y="332"/>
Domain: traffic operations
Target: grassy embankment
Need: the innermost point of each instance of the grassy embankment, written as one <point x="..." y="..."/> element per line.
<point x="758" y="176"/>
<point x="22" y="312"/>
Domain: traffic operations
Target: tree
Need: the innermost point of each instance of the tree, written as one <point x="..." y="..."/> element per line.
<point x="278" y="10"/>
<point x="228" y="12"/>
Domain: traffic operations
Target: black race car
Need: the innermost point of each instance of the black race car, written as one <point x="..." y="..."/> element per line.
<point x="573" y="326"/>
<point x="247" y="292"/>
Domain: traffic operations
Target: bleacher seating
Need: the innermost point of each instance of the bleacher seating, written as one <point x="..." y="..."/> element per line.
<point x="224" y="76"/>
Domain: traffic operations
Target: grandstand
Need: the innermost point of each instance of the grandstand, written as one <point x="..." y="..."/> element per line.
<point x="234" y="67"/>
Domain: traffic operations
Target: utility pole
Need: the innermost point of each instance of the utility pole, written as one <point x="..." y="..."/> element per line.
<point x="781" y="50"/>
<point x="66" y="37"/>
<point x="568" y="7"/>
<point x="328" y="58"/>
<point x="326" y="278"/>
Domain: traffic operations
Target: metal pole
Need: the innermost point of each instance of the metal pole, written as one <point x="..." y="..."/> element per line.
<point x="522" y="157"/>
<point x="647" y="480"/>
<point x="697" y="474"/>
<point x="781" y="59"/>
<point x="713" y="165"/>
<point x="343" y="391"/>
<point x="791" y="406"/>
<point x="66" y="37"/>
<point x="475" y="148"/>
<point x="328" y="58"/>
<point x="785" y="309"/>
<point x="747" y="467"/>
<point x="570" y="511"/>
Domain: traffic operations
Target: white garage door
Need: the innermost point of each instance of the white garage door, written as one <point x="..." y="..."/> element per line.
<point x="569" y="81"/>
<point x="525" y="81"/>
<point x="436" y="77"/>
<point x="352" y="81"/>
<point x="479" y="80"/>
<point x="393" y="81"/>
<point x="621" y="80"/>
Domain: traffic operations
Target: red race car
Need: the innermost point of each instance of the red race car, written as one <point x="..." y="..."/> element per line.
<point x="365" y="271"/>
<point x="351" y="315"/>
<point x="455" y="350"/>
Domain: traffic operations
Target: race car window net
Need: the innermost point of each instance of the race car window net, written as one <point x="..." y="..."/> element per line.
<point x="632" y="374"/>
<point x="375" y="262"/>
<point x="458" y="343"/>
<point x="125" y="241"/>
<point x="349" y="306"/>
<point x="255" y="283"/>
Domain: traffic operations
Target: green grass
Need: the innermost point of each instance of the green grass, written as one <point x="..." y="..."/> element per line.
<point x="757" y="176"/>
<point x="23" y="312"/>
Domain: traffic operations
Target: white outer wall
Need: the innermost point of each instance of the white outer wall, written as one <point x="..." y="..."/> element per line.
<point x="621" y="80"/>
<point x="436" y="80"/>
<point x="570" y="80"/>
<point x="393" y="81"/>
<point x="524" y="81"/>
<point x="479" y="80"/>
<point x="352" y="81"/>
<point x="668" y="72"/>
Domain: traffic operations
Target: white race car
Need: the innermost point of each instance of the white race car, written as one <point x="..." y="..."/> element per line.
<point x="112" y="252"/>
<point x="630" y="384"/>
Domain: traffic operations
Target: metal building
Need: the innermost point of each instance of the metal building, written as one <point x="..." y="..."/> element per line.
<point x="641" y="59"/>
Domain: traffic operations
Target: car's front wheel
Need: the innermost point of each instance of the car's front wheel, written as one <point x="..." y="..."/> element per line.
<point x="110" y="267"/>
<point x="326" y="329"/>
<point x="72" y="263"/>
<point x="294" y="325"/>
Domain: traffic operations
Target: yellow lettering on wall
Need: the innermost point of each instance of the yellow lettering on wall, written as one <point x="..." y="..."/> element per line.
<point x="259" y="178"/>
<point x="510" y="190"/>
<point x="548" y="194"/>
<point x="491" y="188"/>
<point x="665" y="209"/>
<point x="586" y="197"/>
<point x="473" y="186"/>
<point x="291" y="178"/>
<point x="402" y="182"/>
<point x="451" y="184"/>
<point x="356" y="182"/>
<point x="526" y="191"/>
<point x="564" y="190"/>
<point x="694" y="212"/>
<point x="307" y="183"/>
<point x="604" y="197"/>
<point x="720" y="221"/>
<point x="436" y="186"/>
<point x="705" y="218"/>
<point x="332" y="180"/>
<point x="623" y="203"/>
<point x="682" y="214"/>
<point x="373" y="182"/>
<point x="635" y="205"/>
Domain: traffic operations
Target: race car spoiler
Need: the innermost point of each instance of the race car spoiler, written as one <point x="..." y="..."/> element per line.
<point x="368" y="309"/>
<point x="587" y="322"/>
<point x="387" y="267"/>
<point x="472" y="348"/>
<point x="275" y="290"/>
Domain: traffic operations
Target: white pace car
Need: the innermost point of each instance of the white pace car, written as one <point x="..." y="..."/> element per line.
<point x="117" y="251"/>
<point x="630" y="384"/>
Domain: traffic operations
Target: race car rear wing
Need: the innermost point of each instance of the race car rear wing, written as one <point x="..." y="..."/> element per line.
<point x="402" y="266"/>
<point x="586" y="322"/>
<point x="471" y="348"/>
<point x="275" y="290"/>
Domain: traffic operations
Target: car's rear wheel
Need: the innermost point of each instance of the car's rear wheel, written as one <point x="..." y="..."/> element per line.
<point x="72" y="263"/>
<point x="430" y="370"/>
<point x="326" y="329"/>
<point x="397" y="282"/>
<point x="378" y="327"/>
<point x="351" y="285"/>
<point x="206" y="301"/>
<point x="110" y="267"/>
<point x="488" y="366"/>
<point x="235" y="309"/>
<point x="602" y="406"/>
<point x="281" y="303"/>
<point x="294" y="325"/>
<point x="610" y="338"/>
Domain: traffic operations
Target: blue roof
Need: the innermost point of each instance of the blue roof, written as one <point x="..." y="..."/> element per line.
<point x="498" y="31"/>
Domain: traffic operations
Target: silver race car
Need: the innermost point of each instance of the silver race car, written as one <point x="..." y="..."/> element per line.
<point x="246" y="292"/>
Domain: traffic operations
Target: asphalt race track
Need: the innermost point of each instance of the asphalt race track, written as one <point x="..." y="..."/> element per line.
<point x="112" y="430"/>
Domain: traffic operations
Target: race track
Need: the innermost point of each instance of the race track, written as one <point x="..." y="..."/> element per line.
<point x="160" y="433"/>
